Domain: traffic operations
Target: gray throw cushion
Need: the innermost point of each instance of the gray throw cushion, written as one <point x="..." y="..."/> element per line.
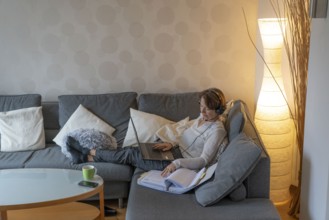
<point x="235" y="120"/>
<point x="239" y="194"/>
<point x="112" y="108"/>
<point x="234" y="165"/>
<point x="173" y="107"/>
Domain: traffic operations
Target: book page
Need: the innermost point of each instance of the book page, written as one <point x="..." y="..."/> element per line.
<point x="153" y="177"/>
<point x="180" y="181"/>
<point x="182" y="177"/>
<point x="204" y="174"/>
<point x="198" y="177"/>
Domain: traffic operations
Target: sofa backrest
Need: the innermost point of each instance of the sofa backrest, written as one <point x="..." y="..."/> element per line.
<point x="171" y="106"/>
<point x="13" y="102"/>
<point x="174" y="107"/>
<point x="50" y="120"/>
<point x="112" y="108"/>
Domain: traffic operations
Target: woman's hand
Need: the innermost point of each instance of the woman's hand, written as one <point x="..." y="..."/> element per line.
<point x="168" y="170"/>
<point x="163" y="146"/>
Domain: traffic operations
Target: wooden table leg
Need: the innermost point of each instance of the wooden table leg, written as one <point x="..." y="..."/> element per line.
<point x="101" y="204"/>
<point x="3" y="215"/>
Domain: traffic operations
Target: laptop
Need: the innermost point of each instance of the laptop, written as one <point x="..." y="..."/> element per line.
<point x="148" y="153"/>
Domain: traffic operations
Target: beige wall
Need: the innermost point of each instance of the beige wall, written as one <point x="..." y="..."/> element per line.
<point x="55" y="47"/>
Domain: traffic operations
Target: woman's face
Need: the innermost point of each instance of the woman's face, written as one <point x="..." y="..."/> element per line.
<point x="207" y="114"/>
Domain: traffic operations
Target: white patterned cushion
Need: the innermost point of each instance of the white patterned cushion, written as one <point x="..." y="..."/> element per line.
<point x="22" y="129"/>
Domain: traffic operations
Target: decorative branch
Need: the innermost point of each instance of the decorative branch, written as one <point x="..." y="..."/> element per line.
<point x="297" y="49"/>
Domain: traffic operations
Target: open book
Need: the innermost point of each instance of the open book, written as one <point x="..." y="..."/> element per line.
<point x="178" y="182"/>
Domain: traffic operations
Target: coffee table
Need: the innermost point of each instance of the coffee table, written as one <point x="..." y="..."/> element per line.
<point x="35" y="188"/>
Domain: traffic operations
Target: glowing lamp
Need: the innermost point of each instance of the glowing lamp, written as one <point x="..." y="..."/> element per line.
<point x="272" y="116"/>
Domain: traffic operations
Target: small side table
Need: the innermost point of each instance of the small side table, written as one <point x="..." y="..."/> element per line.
<point x="36" y="188"/>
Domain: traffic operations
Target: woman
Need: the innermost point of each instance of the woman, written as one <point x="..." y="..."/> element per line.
<point x="199" y="144"/>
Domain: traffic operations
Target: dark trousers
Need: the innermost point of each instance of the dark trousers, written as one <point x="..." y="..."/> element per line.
<point x="129" y="156"/>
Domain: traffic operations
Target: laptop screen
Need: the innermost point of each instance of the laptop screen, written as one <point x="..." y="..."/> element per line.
<point x="135" y="131"/>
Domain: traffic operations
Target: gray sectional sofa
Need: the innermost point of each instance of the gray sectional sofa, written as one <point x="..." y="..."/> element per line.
<point x="121" y="180"/>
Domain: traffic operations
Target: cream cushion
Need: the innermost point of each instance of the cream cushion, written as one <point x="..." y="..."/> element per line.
<point x="146" y="125"/>
<point x="173" y="131"/>
<point x="22" y="129"/>
<point x="82" y="118"/>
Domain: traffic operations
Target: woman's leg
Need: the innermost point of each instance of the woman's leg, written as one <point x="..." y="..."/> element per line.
<point x="129" y="156"/>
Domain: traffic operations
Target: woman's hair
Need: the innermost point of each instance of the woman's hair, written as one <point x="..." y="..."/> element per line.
<point x="214" y="99"/>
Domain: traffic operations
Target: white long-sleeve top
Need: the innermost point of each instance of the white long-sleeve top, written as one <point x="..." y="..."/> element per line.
<point x="200" y="145"/>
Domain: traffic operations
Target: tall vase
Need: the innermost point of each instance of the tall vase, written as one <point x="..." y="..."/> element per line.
<point x="272" y="116"/>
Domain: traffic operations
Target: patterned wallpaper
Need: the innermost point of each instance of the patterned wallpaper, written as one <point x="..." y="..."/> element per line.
<point x="55" y="47"/>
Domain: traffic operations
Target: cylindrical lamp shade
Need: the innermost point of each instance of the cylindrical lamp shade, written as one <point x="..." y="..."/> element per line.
<point x="272" y="116"/>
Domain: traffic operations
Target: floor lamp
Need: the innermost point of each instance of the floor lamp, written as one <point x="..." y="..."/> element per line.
<point x="272" y="116"/>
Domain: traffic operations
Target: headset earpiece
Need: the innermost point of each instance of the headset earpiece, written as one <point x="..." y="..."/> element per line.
<point x="221" y="108"/>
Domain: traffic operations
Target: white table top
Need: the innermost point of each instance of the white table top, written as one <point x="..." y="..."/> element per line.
<point x="35" y="186"/>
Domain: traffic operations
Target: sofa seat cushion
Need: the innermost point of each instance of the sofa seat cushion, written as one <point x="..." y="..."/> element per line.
<point x="111" y="172"/>
<point x="146" y="203"/>
<point x="52" y="157"/>
<point x="13" y="160"/>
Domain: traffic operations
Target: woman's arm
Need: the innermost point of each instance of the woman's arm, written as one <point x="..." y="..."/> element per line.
<point x="190" y="163"/>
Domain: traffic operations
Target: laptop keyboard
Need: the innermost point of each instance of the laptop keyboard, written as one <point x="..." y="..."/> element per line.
<point x="176" y="153"/>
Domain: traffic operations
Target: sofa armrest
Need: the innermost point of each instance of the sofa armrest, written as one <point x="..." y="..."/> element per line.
<point x="258" y="182"/>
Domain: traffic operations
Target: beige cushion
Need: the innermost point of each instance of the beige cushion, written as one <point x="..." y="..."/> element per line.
<point x="173" y="131"/>
<point x="22" y="129"/>
<point x="82" y="118"/>
<point x="146" y="125"/>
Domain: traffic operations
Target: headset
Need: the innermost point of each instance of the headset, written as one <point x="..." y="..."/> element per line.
<point x="221" y="107"/>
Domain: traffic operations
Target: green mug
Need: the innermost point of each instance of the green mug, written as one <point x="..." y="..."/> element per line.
<point x="88" y="172"/>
